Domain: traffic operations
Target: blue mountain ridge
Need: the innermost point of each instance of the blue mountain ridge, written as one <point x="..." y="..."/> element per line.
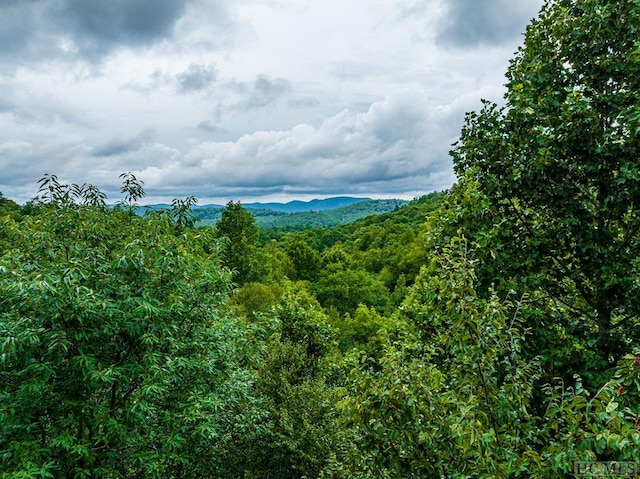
<point x="298" y="206"/>
<point x="295" y="206"/>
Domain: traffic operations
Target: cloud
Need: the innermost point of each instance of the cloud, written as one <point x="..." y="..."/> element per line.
<point x="471" y="23"/>
<point x="396" y="143"/>
<point x="263" y="91"/>
<point x="208" y="126"/>
<point x="120" y="146"/>
<point x="195" y="78"/>
<point x="32" y="30"/>
<point x="24" y="31"/>
<point x="242" y="98"/>
<point x="100" y="25"/>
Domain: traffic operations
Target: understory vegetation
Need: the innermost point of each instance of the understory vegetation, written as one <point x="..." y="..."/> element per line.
<point x="489" y="331"/>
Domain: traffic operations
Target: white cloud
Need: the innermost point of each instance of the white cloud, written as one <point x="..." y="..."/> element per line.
<point x="235" y="100"/>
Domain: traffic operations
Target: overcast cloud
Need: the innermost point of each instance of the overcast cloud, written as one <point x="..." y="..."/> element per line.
<point x="247" y="99"/>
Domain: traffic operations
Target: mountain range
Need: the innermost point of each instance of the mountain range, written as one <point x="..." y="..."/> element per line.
<point x="295" y="206"/>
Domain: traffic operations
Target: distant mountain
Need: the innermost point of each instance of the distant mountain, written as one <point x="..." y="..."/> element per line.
<point x="296" y="215"/>
<point x="300" y="220"/>
<point x="313" y="205"/>
<point x="295" y="206"/>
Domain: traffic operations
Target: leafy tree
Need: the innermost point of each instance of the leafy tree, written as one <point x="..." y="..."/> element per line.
<point x="115" y="360"/>
<point x="305" y="258"/>
<point x="239" y="227"/>
<point x="253" y="298"/>
<point x="558" y="167"/>
<point x="298" y="432"/>
<point x="181" y="212"/>
<point x="132" y="189"/>
<point x="345" y="289"/>
<point x="458" y="400"/>
<point x="276" y="263"/>
<point x="367" y="331"/>
<point x="9" y="207"/>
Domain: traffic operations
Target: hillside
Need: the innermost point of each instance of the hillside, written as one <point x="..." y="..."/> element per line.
<point x="324" y="217"/>
<point x="297" y="206"/>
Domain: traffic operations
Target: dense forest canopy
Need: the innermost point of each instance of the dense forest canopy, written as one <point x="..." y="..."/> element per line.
<point x="487" y="331"/>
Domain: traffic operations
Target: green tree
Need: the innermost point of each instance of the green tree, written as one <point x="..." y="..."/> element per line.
<point x="9" y="207"/>
<point x="346" y="289"/>
<point x="306" y="259"/>
<point x="115" y="360"/>
<point x="239" y="227"/>
<point x="298" y="431"/>
<point x="253" y="299"/>
<point x="458" y="399"/>
<point x="558" y="167"/>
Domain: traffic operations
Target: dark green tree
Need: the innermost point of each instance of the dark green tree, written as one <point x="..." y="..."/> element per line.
<point x="239" y="228"/>
<point x="458" y="399"/>
<point x="558" y="168"/>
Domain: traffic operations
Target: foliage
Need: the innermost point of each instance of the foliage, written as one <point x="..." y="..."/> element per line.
<point x="115" y="360"/>
<point x="558" y="165"/>
<point x="181" y="212"/>
<point x="241" y="232"/>
<point x="389" y="347"/>
<point x="299" y="430"/>
<point x="255" y="298"/>
<point x="368" y="331"/>
<point x="9" y="207"/>
<point x="305" y="257"/>
<point x="324" y="219"/>
<point x="290" y="221"/>
<point x="457" y="401"/>
<point x="345" y="289"/>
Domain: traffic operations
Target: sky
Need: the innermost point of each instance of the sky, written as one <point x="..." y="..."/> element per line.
<point x="250" y="100"/>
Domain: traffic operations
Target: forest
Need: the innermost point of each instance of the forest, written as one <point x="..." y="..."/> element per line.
<point x="487" y="331"/>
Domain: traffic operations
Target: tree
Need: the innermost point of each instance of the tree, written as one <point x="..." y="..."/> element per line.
<point x="345" y="289"/>
<point x="558" y="167"/>
<point x="115" y="360"/>
<point x="458" y="399"/>
<point x="298" y="431"/>
<point x="9" y="207"/>
<point x="305" y="258"/>
<point x="239" y="227"/>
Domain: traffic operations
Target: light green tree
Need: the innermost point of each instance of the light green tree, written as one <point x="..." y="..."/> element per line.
<point x="115" y="360"/>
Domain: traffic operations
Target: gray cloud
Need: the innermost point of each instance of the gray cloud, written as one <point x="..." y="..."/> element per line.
<point x="306" y="118"/>
<point x="208" y="126"/>
<point x="474" y="23"/>
<point x="263" y="91"/>
<point x="120" y="146"/>
<point x="36" y="30"/>
<point x="394" y="146"/>
<point x="24" y="32"/>
<point x="196" y="78"/>
<point x="102" y="24"/>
